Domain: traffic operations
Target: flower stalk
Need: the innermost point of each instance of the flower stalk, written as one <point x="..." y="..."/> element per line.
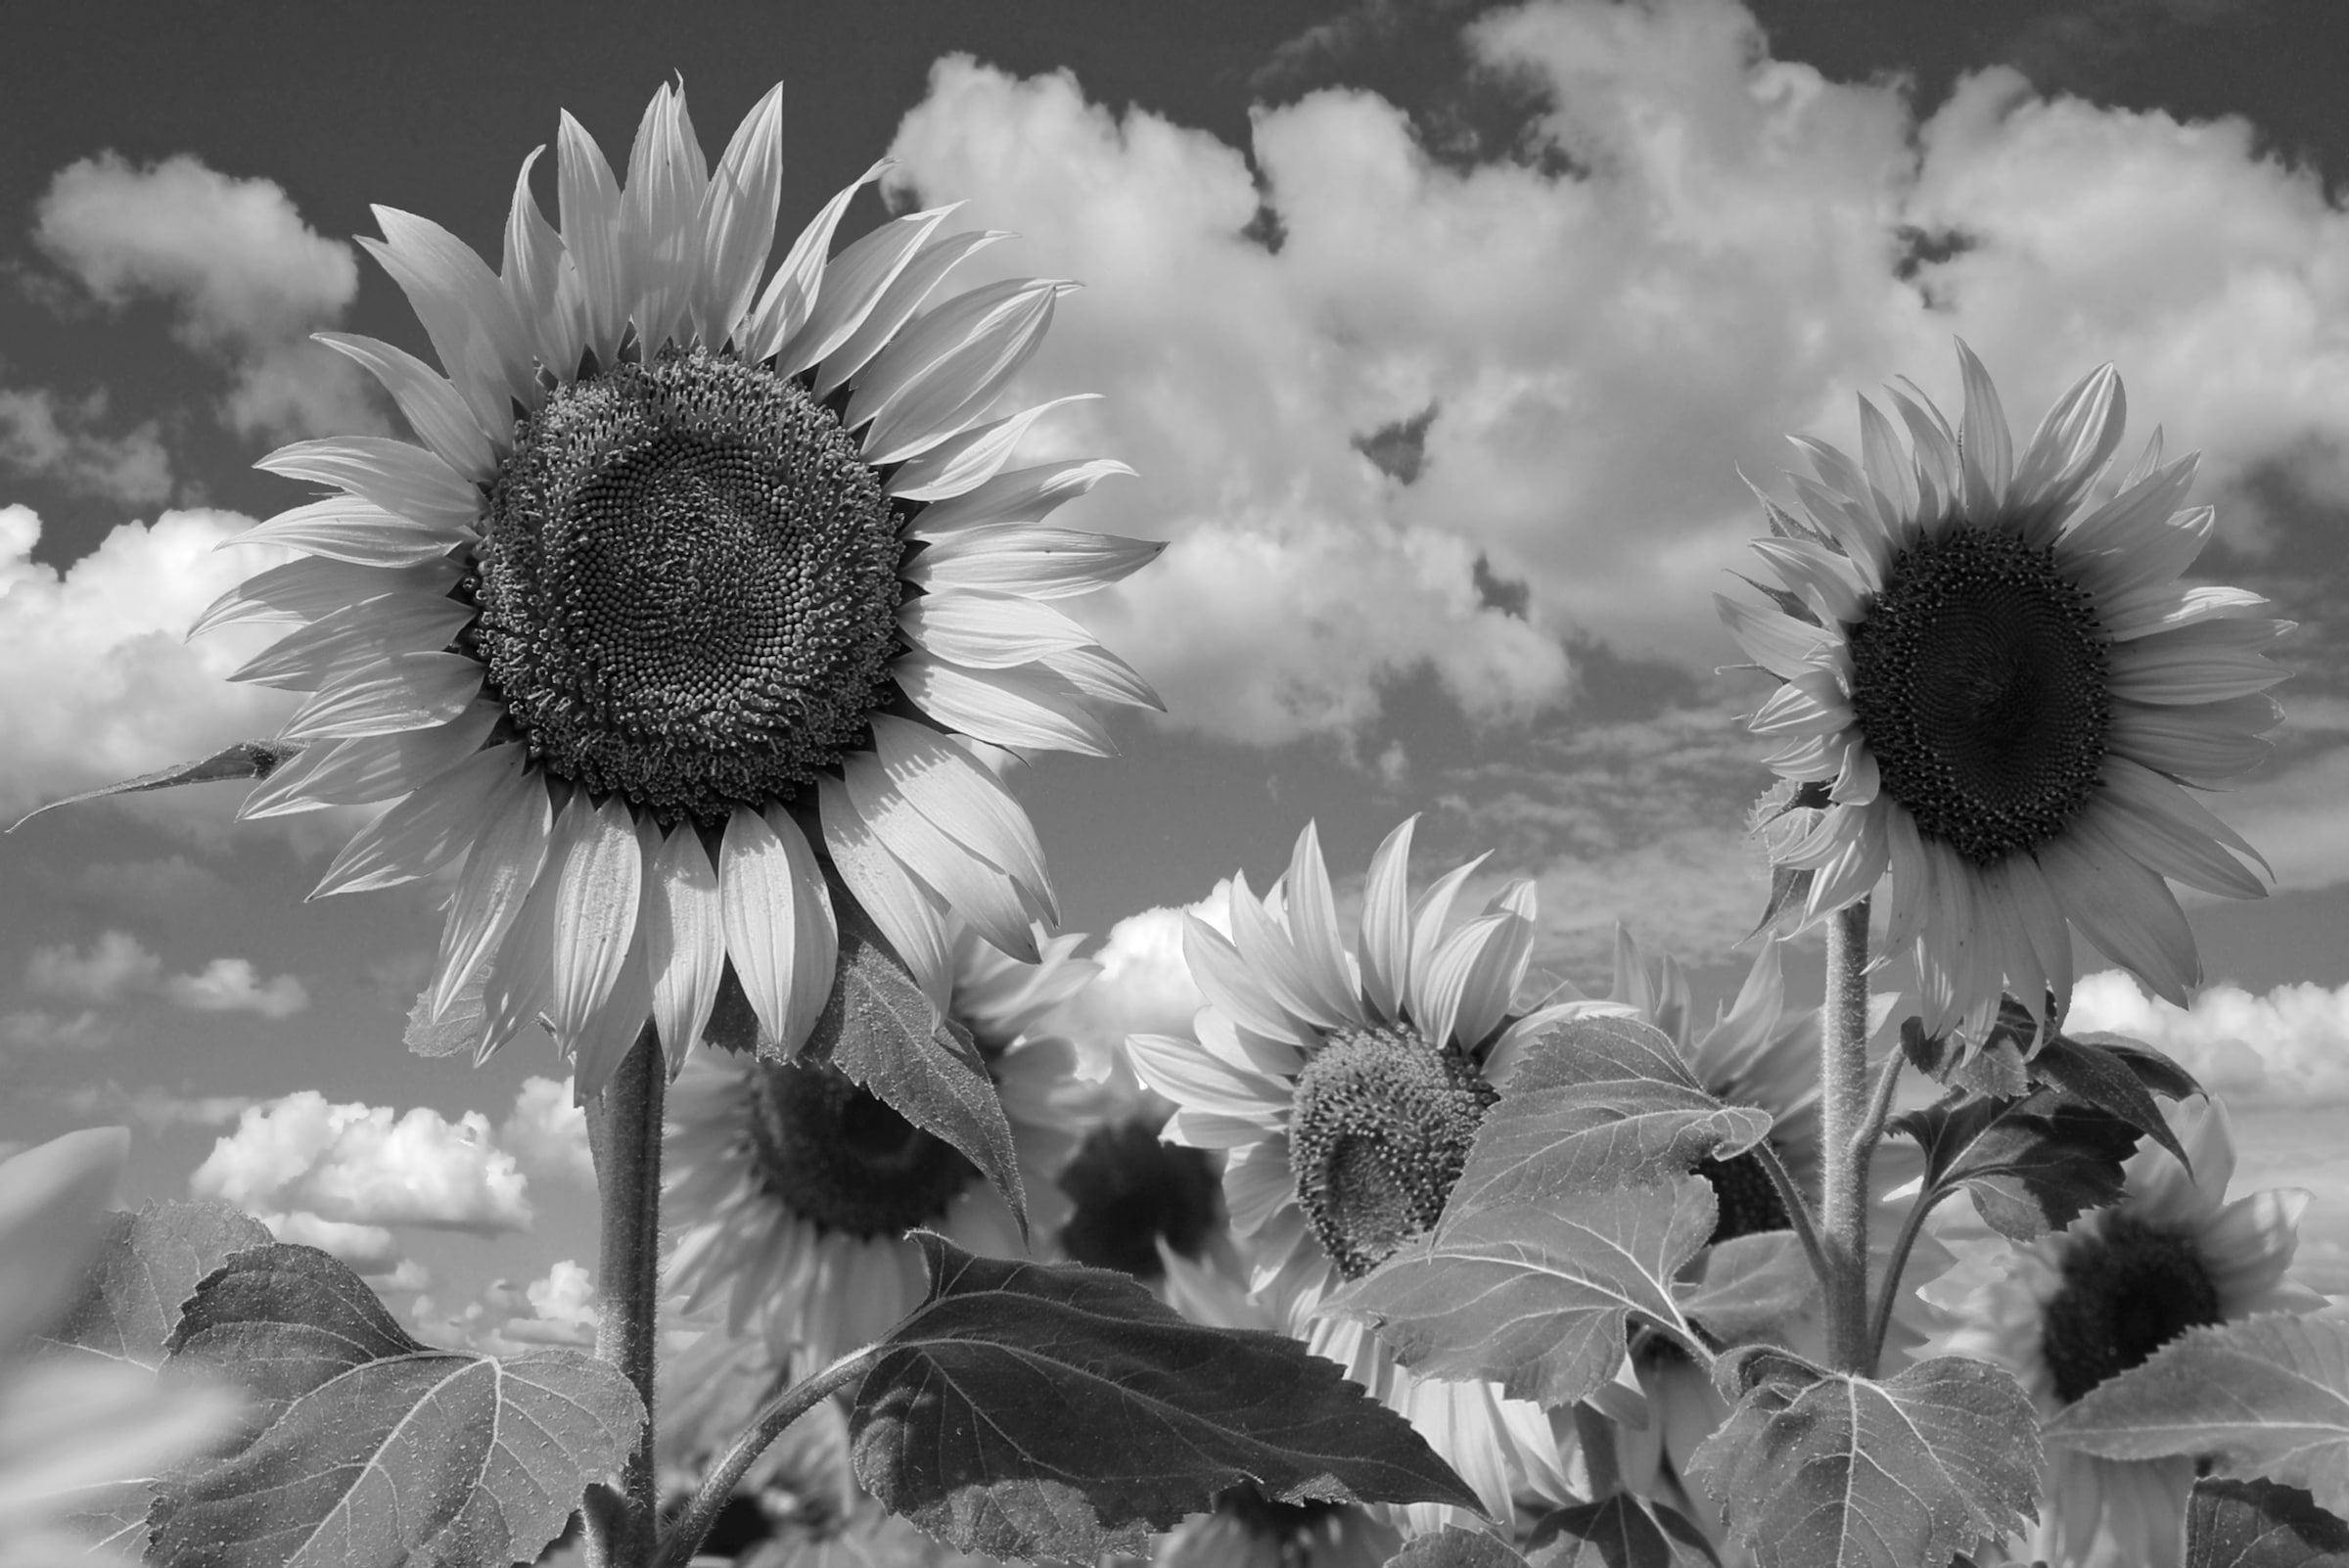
<point x="623" y="1135"/>
<point x="1845" y="1108"/>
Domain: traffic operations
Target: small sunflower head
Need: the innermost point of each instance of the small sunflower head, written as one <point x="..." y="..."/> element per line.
<point x="841" y="1158"/>
<point x="2129" y="1287"/>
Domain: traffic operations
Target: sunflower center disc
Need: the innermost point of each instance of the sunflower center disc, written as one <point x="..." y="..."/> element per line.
<point x="2128" y="1290"/>
<point x="1378" y="1131"/>
<point x="1128" y="1189"/>
<point x="689" y="589"/>
<point x="1979" y="682"/>
<point x="1746" y="1201"/>
<point x="837" y="1156"/>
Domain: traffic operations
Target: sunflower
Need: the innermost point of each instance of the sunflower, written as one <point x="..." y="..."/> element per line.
<point x="1344" y="1088"/>
<point x="690" y="582"/>
<point x="791" y="1189"/>
<point x="2089" y="1302"/>
<point x="1996" y="691"/>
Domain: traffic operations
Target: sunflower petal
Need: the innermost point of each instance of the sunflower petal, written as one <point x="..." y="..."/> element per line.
<point x="684" y="936"/>
<point x="358" y="533"/>
<point x="988" y="630"/>
<point x="660" y="217"/>
<point x="942" y="375"/>
<point x="1428" y="918"/>
<point x="2210" y="661"/>
<point x="738" y="221"/>
<point x="1492" y="979"/>
<point x="588" y="204"/>
<point x="1199" y="1080"/>
<point x="854" y="282"/>
<point x="1030" y="558"/>
<point x="1864" y="540"/>
<point x="604" y="1044"/>
<point x="906" y="912"/>
<point x="1314" y="930"/>
<point x="1229" y="985"/>
<point x="810" y="947"/>
<point x="1102" y="676"/>
<point x="1384" y="949"/>
<point x="1912" y="880"/>
<point x="791" y="295"/>
<point x="2172" y="832"/>
<point x="425" y="830"/>
<point x="346" y="642"/>
<point x="914" y="284"/>
<point x="1822" y="576"/>
<point x="600" y="881"/>
<point x="466" y="312"/>
<point x="405" y="691"/>
<point x="2205" y="743"/>
<point x="314" y="587"/>
<point x="965" y="802"/>
<point x="1271" y="957"/>
<point x="2124" y="907"/>
<point x="2043" y="922"/>
<point x="962" y="463"/>
<point x="1932" y="445"/>
<point x="1448" y="976"/>
<point x="982" y="893"/>
<point x="1023" y="495"/>
<point x="2068" y="450"/>
<point x="1027" y="707"/>
<point x="406" y="480"/>
<point x="430" y="405"/>
<point x="535" y="275"/>
<point x="524" y="974"/>
<point x="2165" y="607"/>
<point x="370" y="769"/>
<point x="500" y="869"/>
<point x="1813" y="703"/>
<point x="1891" y="479"/>
<point x="1779" y="644"/>
<point x="1985" y="441"/>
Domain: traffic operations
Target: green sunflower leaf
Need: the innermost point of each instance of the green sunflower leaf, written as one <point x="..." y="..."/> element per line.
<point x="1597" y="1103"/>
<point x="1620" y="1531"/>
<point x="1034" y="1411"/>
<point x="2264" y="1399"/>
<point x="2031" y="1165"/>
<point x="1455" y="1547"/>
<point x="362" y="1447"/>
<point x="1824" y="1470"/>
<point x="881" y="1028"/>
<point x="2120" y="1081"/>
<point x="1749" y="1286"/>
<point x="146" y="1265"/>
<point x="2258" y="1524"/>
<point x="255" y="760"/>
<point x="1537" y="1297"/>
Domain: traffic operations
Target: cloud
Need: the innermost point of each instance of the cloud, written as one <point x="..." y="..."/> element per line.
<point x="36" y="1028"/>
<point x="369" y="1249"/>
<point x="2288" y="1047"/>
<point x="233" y="986"/>
<point x="246" y="279"/>
<point x="43" y="435"/>
<point x="1700" y="249"/>
<point x="356" y="1165"/>
<point x="1145" y="984"/>
<point x="172" y="880"/>
<point x="116" y="965"/>
<point x="2295" y="817"/>
<point x="150" y="1107"/>
<point x="102" y="684"/>
<point x="547" y="1133"/>
<point x="556" y="1309"/>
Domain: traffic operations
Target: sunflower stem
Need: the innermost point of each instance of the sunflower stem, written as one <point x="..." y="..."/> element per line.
<point x="1797" y="1205"/>
<point x="1596" y="1436"/>
<point x="624" y="1134"/>
<point x="1844" y="1106"/>
<point x="771" y="1421"/>
<point x="1888" y="1290"/>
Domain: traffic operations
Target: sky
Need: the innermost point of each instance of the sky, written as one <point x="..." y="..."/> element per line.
<point x="1439" y="335"/>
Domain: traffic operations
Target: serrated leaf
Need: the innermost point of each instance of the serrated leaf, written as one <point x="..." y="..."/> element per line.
<point x="2031" y="1166"/>
<point x="363" y="1446"/>
<point x="457" y="1030"/>
<point x="1536" y="1298"/>
<point x="1842" y="1472"/>
<point x="2267" y="1397"/>
<point x="1035" y="1410"/>
<point x="1750" y="1287"/>
<point x="1620" y="1531"/>
<point x="2258" y="1524"/>
<point x="881" y="1028"/>
<point x="1597" y="1103"/>
<point x="255" y="760"/>
<point x="1455" y="1547"/>
<point x="1789" y="891"/>
<point x="1995" y="1067"/>
<point x="2098" y="1074"/>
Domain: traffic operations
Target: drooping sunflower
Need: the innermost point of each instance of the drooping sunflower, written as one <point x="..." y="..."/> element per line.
<point x="687" y="581"/>
<point x="1344" y="1088"/>
<point x="2087" y="1302"/>
<point x="1997" y="691"/>
<point x="790" y="1189"/>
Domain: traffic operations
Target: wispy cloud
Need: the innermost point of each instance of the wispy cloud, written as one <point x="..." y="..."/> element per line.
<point x="48" y="437"/>
<point x="118" y="966"/>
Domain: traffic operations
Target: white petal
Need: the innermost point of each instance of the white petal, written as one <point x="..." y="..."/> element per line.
<point x="1449" y="974"/>
<point x="1314" y="929"/>
<point x="1196" y="1081"/>
<point x="373" y="768"/>
<point x="906" y="912"/>
<point x="2165" y="607"/>
<point x="1026" y="707"/>
<point x="988" y="630"/>
<point x="341" y="645"/>
<point x="963" y="463"/>
<point x="738" y="219"/>
<point x="524" y="974"/>
<point x="314" y="587"/>
<point x="401" y="478"/>
<point x="917" y="402"/>
<point x="466" y="312"/>
<point x="2069" y="449"/>
<point x="588" y="204"/>
<point x="1232" y="986"/>
<point x="965" y="802"/>
<point x="1272" y="963"/>
<point x="2125" y="908"/>
<point x="791" y="292"/>
<point x="1103" y="676"/>
<point x="854" y="282"/>
<point x="1779" y="643"/>
<point x="1030" y="558"/>
<point x="599" y="885"/>
<point x="432" y="406"/>
<point x="972" y="888"/>
<point x="2206" y="744"/>
<point x="425" y="830"/>
<point x="357" y="532"/>
<point x="1492" y="979"/>
<point x="897" y="305"/>
<point x="405" y="691"/>
<point x="615" y="1027"/>
<point x="534" y="276"/>
<point x="1821" y="576"/>
<point x="1892" y="480"/>
<point x="660" y="217"/>
<point x="500" y="869"/>
<point x="2210" y="661"/>
<point x="684" y="936"/>
<point x="1428" y="919"/>
<point x="2167" y="829"/>
<point x="1023" y="495"/>
<point x="1985" y="441"/>
<point x="1385" y="949"/>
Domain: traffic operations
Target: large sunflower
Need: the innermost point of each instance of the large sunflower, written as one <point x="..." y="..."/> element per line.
<point x="1997" y="692"/>
<point x="2087" y="1302"/>
<point x="690" y="581"/>
<point x="1344" y="1088"/>
<point x="790" y="1189"/>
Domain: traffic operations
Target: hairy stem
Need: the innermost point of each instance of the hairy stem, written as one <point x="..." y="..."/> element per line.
<point x="1797" y="1205"/>
<point x="1844" y="1108"/>
<point x="1596" y="1436"/>
<point x="624" y="1134"/>
<point x="685" y="1537"/>
<point x="1888" y="1290"/>
<point x="1880" y="1102"/>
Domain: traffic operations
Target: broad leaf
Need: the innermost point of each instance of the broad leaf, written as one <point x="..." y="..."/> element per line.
<point x="1033" y="1411"/>
<point x="2258" y="1524"/>
<point x="2267" y="1397"/>
<point x="1455" y="1547"/>
<point x="1831" y="1471"/>
<point x="1598" y="1103"/>
<point x="1536" y="1299"/>
<point x="363" y="1446"/>
<point x="459" y="1029"/>
<point x="255" y="760"/>
<point x="2120" y="1083"/>
<point x="2031" y="1166"/>
<point x="882" y="1031"/>
<point x="1620" y="1531"/>
<point x="1750" y="1286"/>
<point x="1995" y="1067"/>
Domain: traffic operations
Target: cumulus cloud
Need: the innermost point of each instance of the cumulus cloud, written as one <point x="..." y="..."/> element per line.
<point x="357" y="1165"/>
<point x="102" y="684"/>
<point x="52" y="437"/>
<point x="233" y="986"/>
<point x="116" y="965"/>
<point x="2288" y="1047"/>
<point x="1145" y="984"/>
<point x="1702" y="248"/>
<point x="556" y="1309"/>
<point x="246" y="279"/>
<point x="548" y="1132"/>
<point x="36" y="1028"/>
